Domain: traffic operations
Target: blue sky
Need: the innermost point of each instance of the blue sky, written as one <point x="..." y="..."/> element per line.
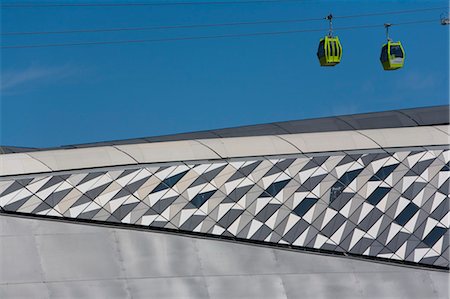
<point x="70" y="95"/>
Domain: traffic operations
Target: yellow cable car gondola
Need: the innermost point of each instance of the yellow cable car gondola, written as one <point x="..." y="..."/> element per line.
<point x="392" y="55"/>
<point x="329" y="51"/>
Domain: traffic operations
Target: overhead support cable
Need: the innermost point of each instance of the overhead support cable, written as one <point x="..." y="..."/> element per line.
<point x="161" y="27"/>
<point x="138" y="41"/>
<point x="140" y="4"/>
<point x="229" y="24"/>
<point x="396" y="12"/>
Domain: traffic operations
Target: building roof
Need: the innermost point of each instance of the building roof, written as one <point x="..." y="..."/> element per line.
<point x="424" y="116"/>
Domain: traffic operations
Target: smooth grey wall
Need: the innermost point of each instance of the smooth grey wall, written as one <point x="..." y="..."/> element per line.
<point x="49" y="259"/>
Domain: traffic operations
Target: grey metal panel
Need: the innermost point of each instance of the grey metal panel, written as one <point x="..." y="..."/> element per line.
<point x="19" y="259"/>
<point x="169" y="288"/>
<point x="24" y="291"/>
<point x="429" y="115"/>
<point x="183" y="136"/>
<point x="253" y="286"/>
<point x="222" y="269"/>
<point x="218" y="259"/>
<point x="168" y="256"/>
<point x="114" y="142"/>
<point x="98" y="289"/>
<point x="254" y="130"/>
<point x="407" y="284"/>
<point x="174" y="137"/>
<point x="15" y="149"/>
<point x="289" y="263"/>
<point x="10" y="226"/>
<point x="78" y="256"/>
<point x="383" y="285"/>
<point x="49" y="227"/>
<point x="314" y="125"/>
<point x="388" y="119"/>
<point x="323" y="285"/>
<point x="439" y="279"/>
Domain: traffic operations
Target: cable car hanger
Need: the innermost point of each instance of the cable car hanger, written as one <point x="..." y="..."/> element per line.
<point x="330" y="18"/>
<point x="387" y="25"/>
<point x="392" y="55"/>
<point x="329" y="51"/>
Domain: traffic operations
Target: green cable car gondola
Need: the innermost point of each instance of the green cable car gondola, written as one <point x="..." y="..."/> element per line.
<point x="329" y="51"/>
<point x="392" y="55"/>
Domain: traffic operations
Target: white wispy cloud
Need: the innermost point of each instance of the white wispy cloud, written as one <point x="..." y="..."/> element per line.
<point x="419" y="81"/>
<point x="16" y="80"/>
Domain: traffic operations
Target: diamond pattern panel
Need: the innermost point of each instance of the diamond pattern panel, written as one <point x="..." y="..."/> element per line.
<point x="392" y="205"/>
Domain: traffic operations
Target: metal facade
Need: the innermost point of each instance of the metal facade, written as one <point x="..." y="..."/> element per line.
<point x="383" y="204"/>
<point x="52" y="259"/>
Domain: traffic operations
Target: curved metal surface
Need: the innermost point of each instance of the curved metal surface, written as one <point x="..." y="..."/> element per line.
<point x="21" y="163"/>
<point x="425" y="116"/>
<point x="47" y="259"/>
<point x="219" y="148"/>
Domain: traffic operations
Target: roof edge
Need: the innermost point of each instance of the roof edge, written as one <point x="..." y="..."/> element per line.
<point x="411" y="117"/>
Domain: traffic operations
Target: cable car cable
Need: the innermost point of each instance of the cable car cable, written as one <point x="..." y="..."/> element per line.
<point x="140" y="4"/>
<point x="112" y="42"/>
<point x="160" y="27"/>
<point x="97" y="30"/>
<point x="398" y="12"/>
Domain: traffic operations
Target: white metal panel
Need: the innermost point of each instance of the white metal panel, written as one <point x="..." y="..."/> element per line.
<point x="330" y="141"/>
<point x="168" y="151"/>
<point x="66" y="159"/>
<point x="249" y="146"/>
<point x="20" y="163"/>
<point x="209" y="149"/>
<point x="445" y="129"/>
<point x="416" y="136"/>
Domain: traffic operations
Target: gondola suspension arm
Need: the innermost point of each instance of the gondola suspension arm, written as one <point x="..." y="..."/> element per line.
<point x="387" y="25"/>
<point x="330" y="19"/>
